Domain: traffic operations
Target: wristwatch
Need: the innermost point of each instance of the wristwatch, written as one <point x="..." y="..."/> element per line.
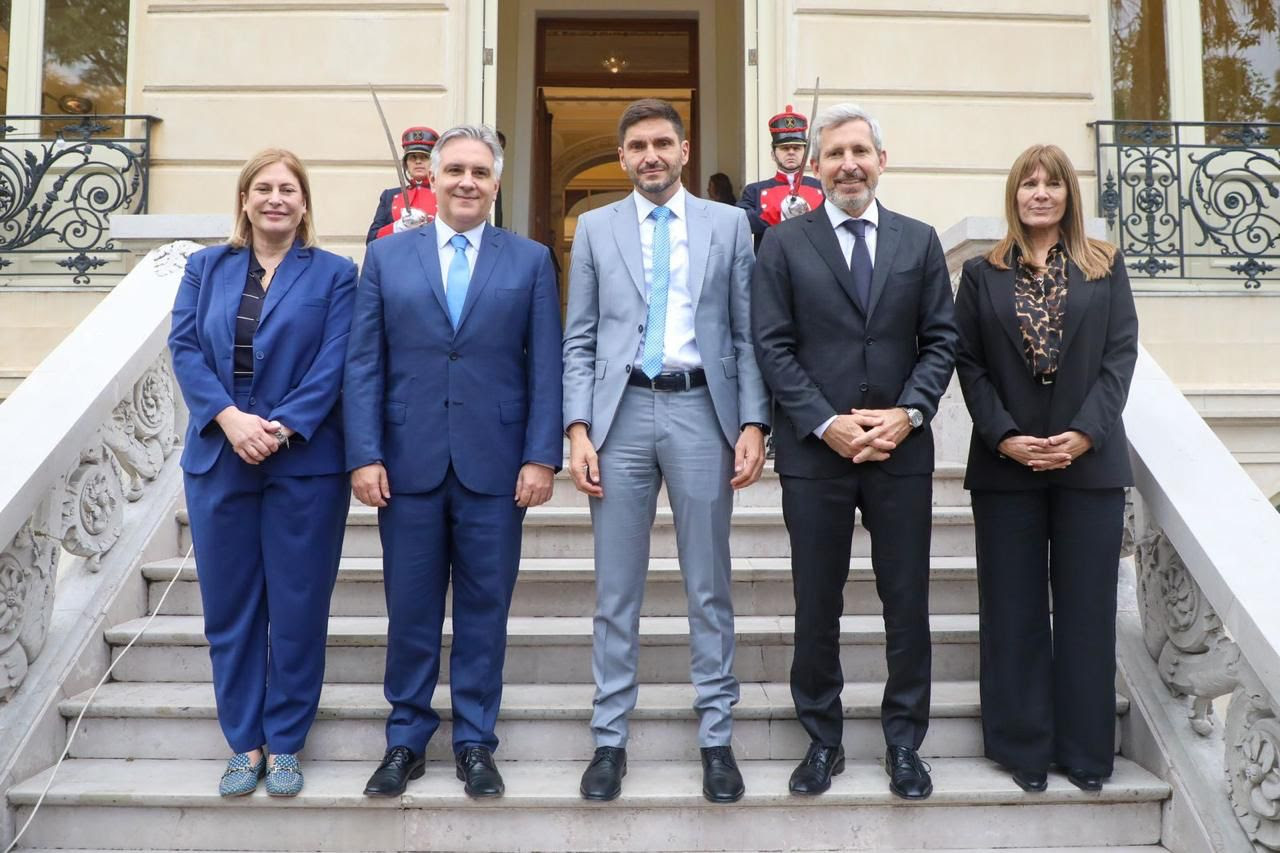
<point x="763" y="428"/>
<point x="914" y="416"/>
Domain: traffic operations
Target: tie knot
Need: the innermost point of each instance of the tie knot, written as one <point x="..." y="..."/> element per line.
<point x="661" y="213"/>
<point x="857" y="226"/>
<point x="459" y="241"/>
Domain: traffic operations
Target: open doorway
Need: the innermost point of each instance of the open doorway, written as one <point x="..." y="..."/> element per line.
<point x="586" y="72"/>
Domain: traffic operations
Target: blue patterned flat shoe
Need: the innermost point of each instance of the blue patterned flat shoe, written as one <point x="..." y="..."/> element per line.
<point x="241" y="776"/>
<point x="284" y="779"/>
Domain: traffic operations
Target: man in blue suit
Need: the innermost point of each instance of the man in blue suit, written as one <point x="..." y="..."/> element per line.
<point x="452" y="409"/>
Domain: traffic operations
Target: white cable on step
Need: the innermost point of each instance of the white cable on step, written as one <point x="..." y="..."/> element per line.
<point x="75" y="728"/>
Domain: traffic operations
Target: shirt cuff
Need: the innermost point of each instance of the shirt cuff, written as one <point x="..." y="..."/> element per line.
<point x="823" y="426"/>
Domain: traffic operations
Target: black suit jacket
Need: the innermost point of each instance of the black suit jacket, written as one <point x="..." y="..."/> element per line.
<point x="1099" y="349"/>
<point x="823" y="353"/>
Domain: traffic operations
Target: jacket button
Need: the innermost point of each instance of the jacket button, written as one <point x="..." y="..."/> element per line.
<point x="253" y="401"/>
<point x="258" y="355"/>
<point x="640" y="328"/>
<point x="870" y="341"/>
<point x="446" y="404"/>
<point x="626" y="369"/>
<point x="453" y="356"/>
<point x="864" y="387"/>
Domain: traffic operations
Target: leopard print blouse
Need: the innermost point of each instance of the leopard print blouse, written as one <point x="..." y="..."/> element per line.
<point x="1040" y="304"/>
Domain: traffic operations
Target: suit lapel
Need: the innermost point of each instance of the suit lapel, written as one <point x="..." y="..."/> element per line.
<point x="293" y="265"/>
<point x="1079" y="292"/>
<point x="231" y="276"/>
<point x="429" y="255"/>
<point x="890" y="230"/>
<point x="1000" y="291"/>
<point x="626" y="231"/>
<point x="699" y="231"/>
<point x="823" y="237"/>
<point x="492" y="241"/>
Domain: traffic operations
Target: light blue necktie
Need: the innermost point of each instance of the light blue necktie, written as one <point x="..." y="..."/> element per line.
<point x="656" y="324"/>
<point x="459" y="278"/>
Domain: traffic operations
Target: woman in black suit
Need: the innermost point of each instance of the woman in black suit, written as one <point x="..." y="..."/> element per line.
<point x="1048" y="341"/>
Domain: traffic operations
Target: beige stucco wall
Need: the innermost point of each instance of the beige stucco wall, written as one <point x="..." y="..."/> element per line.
<point x="229" y="77"/>
<point x="960" y="87"/>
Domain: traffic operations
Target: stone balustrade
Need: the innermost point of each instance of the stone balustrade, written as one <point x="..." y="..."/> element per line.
<point x="79" y="441"/>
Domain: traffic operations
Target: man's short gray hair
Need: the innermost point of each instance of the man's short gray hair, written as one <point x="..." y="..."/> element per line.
<point x="481" y="132"/>
<point x="839" y="114"/>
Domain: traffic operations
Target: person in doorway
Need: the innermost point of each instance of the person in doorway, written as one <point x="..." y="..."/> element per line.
<point x="855" y="334"/>
<point x="392" y="216"/>
<point x="719" y="188"/>
<point x="661" y="385"/>
<point x="452" y="409"/>
<point x="1048" y="343"/>
<point x="789" y="192"/>
<point x="259" y="337"/>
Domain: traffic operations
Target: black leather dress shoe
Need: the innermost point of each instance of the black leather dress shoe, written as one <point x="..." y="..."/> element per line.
<point x="721" y="780"/>
<point x="1031" y="781"/>
<point x="908" y="775"/>
<point x="813" y="774"/>
<point x="398" y="766"/>
<point x="603" y="777"/>
<point x="1084" y="780"/>
<point x="476" y="768"/>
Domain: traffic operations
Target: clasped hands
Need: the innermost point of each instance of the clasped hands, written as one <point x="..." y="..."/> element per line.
<point x="252" y="438"/>
<point x="867" y="435"/>
<point x="1046" y="454"/>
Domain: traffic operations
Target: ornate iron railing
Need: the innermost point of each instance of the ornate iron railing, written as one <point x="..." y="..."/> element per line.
<point x="60" y="182"/>
<point x="1192" y="200"/>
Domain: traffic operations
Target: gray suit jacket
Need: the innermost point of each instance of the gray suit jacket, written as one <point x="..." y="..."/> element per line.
<point x="608" y="306"/>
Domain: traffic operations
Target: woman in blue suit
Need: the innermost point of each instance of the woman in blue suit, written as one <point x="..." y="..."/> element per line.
<point x="259" y="338"/>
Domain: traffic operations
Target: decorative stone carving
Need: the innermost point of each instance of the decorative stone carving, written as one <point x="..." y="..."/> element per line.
<point x="171" y="258"/>
<point x="1253" y="762"/>
<point x="28" y="570"/>
<point x="1196" y="658"/>
<point x="85" y="515"/>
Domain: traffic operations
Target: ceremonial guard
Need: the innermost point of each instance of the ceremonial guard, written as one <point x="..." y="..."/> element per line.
<point x="789" y="192"/>
<point x="392" y="214"/>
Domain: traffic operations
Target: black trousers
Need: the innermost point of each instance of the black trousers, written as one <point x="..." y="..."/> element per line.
<point x="897" y="512"/>
<point x="1048" y="689"/>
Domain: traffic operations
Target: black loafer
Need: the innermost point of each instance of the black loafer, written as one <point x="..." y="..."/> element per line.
<point x="398" y="766"/>
<point x="908" y="775"/>
<point x="813" y="775"/>
<point x="1031" y="781"/>
<point x="602" y="779"/>
<point x="1084" y="780"/>
<point x="721" y="779"/>
<point x="476" y="768"/>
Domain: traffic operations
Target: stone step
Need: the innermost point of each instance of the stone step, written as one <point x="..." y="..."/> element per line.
<point x="173" y="804"/>
<point x="537" y="722"/>
<point x="566" y="532"/>
<point x="557" y="650"/>
<point x="1127" y="848"/>
<point x="566" y="587"/>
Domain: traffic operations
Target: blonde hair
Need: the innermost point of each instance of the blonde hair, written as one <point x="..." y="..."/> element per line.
<point x="1093" y="257"/>
<point x="242" y="231"/>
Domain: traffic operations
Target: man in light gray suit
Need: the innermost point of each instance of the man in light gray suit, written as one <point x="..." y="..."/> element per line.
<point x="661" y="384"/>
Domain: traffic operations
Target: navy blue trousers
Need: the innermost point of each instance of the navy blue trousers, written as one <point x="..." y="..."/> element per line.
<point x="267" y="552"/>
<point x="428" y="539"/>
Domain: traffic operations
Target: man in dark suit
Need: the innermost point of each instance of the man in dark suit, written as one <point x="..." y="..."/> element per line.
<point x="855" y="335"/>
<point x="452" y="410"/>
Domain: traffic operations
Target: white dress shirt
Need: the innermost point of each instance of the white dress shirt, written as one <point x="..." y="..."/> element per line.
<point x="680" y="349"/>
<point x="443" y="235"/>
<point x="837" y="216"/>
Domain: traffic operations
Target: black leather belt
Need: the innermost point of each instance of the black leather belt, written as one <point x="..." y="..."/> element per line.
<point x="668" y="381"/>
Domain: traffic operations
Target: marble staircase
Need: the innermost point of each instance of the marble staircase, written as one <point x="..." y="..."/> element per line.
<point x="142" y="772"/>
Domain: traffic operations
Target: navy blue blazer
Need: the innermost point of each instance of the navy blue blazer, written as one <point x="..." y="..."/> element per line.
<point x="299" y="350"/>
<point x="419" y="397"/>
